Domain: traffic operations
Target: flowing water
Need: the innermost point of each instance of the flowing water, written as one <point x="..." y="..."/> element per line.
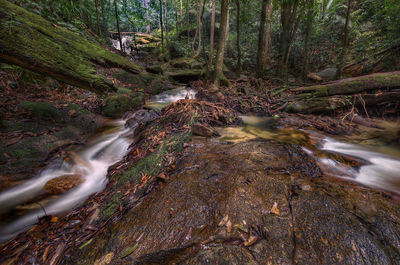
<point x="21" y="206"/>
<point x="92" y="165"/>
<point x="376" y="166"/>
<point x="161" y="100"/>
<point x="126" y="42"/>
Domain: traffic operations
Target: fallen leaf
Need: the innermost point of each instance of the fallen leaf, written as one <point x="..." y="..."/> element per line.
<point x="162" y="176"/>
<point x="54" y="219"/>
<point x="229" y="226"/>
<point x="251" y="241"/>
<point x="129" y="251"/>
<point x="275" y="209"/>
<point x="224" y="220"/>
<point x="86" y="243"/>
<point x="71" y="112"/>
<point x="45" y="254"/>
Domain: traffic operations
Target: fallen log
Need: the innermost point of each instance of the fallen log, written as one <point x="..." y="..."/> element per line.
<point x="29" y="41"/>
<point x="350" y="85"/>
<point x="327" y="104"/>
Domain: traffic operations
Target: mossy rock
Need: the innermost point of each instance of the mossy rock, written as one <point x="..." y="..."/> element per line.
<point x="155" y="69"/>
<point x="186" y="75"/>
<point x="182" y="63"/>
<point x="138" y="81"/>
<point x="42" y="110"/>
<point x="118" y="104"/>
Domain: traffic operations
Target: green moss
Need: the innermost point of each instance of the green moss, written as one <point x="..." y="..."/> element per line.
<point x="78" y="108"/>
<point x="42" y="110"/>
<point x="150" y="165"/>
<point x="64" y="55"/>
<point x="118" y="104"/>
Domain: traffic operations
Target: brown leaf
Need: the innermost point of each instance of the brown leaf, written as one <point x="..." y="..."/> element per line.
<point x="251" y="241"/>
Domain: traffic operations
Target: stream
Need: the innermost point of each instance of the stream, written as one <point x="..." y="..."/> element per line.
<point x="375" y="166"/>
<point x="21" y="206"/>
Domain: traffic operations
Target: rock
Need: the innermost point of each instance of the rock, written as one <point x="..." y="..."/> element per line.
<point x="182" y="63"/>
<point x="141" y="117"/>
<point x="118" y="104"/>
<point x="155" y="69"/>
<point x="196" y="65"/>
<point x="328" y="74"/>
<point x="314" y="77"/>
<point x="41" y="110"/>
<point x="202" y="130"/>
<point x="185" y="75"/>
<point x="62" y="184"/>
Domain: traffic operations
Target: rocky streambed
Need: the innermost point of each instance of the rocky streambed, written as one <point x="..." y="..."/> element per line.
<point x="257" y="194"/>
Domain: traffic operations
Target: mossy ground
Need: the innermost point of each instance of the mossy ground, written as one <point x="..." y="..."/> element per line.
<point x="149" y="166"/>
<point x="32" y="42"/>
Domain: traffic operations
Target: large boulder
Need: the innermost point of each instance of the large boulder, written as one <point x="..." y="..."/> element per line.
<point x="185" y="75"/>
<point x="117" y="104"/>
<point x="328" y="74"/>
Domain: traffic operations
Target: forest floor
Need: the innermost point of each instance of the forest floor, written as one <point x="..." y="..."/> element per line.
<point x="181" y="196"/>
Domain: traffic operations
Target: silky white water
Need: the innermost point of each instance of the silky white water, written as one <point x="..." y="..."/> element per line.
<point x="380" y="170"/>
<point x="94" y="160"/>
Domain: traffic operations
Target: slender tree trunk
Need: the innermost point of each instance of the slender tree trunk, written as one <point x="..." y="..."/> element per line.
<point x="345" y="41"/>
<point x="200" y="19"/>
<point x="161" y="24"/>
<point x="166" y="22"/>
<point x="197" y="24"/>
<point x="238" y="34"/>
<point x="261" y="37"/>
<point x="119" y="31"/>
<point x="181" y="14"/>
<point x="221" y="41"/>
<point x="267" y="36"/>
<point x="98" y="17"/>
<point x="176" y="17"/>
<point x="187" y="21"/>
<point x="310" y="17"/>
<point x="146" y="4"/>
<point x="212" y="35"/>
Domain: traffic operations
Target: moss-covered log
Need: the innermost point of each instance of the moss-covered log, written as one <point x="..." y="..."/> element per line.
<point x="32" y="42"/>
<point x="351" y="85"/>
<point x="326" y="104"/>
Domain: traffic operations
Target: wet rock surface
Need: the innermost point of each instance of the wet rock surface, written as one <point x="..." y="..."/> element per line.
<point x="254" y="202"/>
<point x="62" y="184"/>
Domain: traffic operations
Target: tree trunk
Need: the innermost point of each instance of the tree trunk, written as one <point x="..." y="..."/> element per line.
<point x="351" y="85"/>
<point x="212" y="35"/>
<point x="345" y="41"/>
<point x="197" y="24"/>
<point x="290" y="20"/>
<point x="267" y="36"/>
<point x="187" y="21"/>
<point x="146" y="5"/>
<point x="200" y="19"/>
<point x="340" y="94"/>
<point x="261" y="30"/>
<point x="166" y="22"/>
<point x="98" y="18"/>
<point x="118" y="29"/>
<point x="181" y="14"/>
<point x="161" y="25"/>
<point x="221" y="41"/>
<point x="55" y="51"/>
<point x="238" y="34"/>
<point x="310" y="18"/>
